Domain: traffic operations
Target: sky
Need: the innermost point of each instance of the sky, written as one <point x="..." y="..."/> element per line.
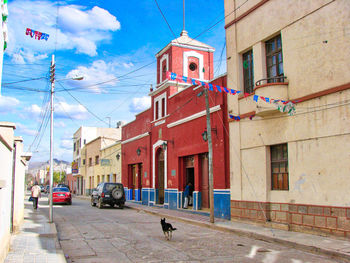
<point x="111" y="43"/>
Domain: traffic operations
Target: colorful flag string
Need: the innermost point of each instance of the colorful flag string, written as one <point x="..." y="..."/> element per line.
<point x="217" y="88"/>
<point x="38" y="35"/>
<point x="288" y="106"/>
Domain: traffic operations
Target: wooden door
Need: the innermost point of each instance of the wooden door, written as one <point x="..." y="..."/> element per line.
<point x="134" y="172"/>
<point x="161" y="177"/>
<point x="140" y="179"/>
<point x="205" y="180"/>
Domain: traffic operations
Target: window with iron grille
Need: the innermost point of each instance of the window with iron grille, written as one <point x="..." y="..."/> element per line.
<point x="279" y="167"/>
<point x="274" y="59"/>
<point x="248" y="72"/>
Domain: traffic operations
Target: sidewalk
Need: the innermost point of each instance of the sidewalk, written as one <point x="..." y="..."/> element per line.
<point x="36" y="241"/>
<point x="333" y="247"/>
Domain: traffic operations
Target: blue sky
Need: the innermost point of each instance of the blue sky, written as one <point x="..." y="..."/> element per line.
<point x="105" y="41"/>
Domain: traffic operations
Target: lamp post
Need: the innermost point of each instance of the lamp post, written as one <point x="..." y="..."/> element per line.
<point x="52" y="80"/>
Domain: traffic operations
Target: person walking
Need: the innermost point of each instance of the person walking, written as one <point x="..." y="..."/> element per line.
<point x="187" y="194"/>
<point x="36" y="193"/>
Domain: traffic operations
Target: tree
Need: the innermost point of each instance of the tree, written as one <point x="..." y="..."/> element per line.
<point x="59" y="177"/>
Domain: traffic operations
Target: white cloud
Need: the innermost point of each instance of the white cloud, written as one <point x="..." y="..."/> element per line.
<point x="7" y="104"/>
<point x="22" y="129"/>
<point x="34" y="109"/>
<point x="62" y="110"/>
<point x="79" y="29"/>
<point x="66" y="144"/>
<point x="98" y="72"/>
<point x="140" y="104"/>
<point x="67" y="111"/>
<point x="75" y="20"/>
<point x="59" y="124"/>
<point x="128" y="65"/>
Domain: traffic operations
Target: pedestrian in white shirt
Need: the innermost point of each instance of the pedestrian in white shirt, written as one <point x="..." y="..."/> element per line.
<point x="36" y="193"/>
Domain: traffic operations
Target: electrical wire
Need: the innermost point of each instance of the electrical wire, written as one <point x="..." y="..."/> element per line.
<point x="216" y="23"/>
<point x="93" y="114"/>
<point x="25" y="80"/>
<point x="160" y="10"/>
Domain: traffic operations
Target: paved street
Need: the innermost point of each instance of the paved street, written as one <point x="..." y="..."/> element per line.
<point x="88" y="234"/>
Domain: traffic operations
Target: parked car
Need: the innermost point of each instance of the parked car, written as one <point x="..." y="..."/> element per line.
<point x="47" y="189"/>
<point x="108" y="193"/>
<point x="61" y="195"/>
<point x="42" y="188"/>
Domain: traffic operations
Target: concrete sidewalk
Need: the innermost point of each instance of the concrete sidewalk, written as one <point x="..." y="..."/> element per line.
<point x="36" y="241"/>
<point x="333" y="247"/>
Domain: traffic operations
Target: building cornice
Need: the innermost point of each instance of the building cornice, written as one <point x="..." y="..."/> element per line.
<point x="246" y="13"/>
<point x="2" y="139"/>
<point x="194" y="116"/>
<point x="136" y="138"/>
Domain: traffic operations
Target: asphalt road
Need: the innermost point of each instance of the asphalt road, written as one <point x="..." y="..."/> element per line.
<point x="89" y="234"/>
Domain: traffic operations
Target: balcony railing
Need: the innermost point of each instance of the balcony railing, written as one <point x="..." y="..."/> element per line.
<point x="277" y="79"/>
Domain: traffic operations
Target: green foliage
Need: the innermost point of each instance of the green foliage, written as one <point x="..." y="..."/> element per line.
<point x="57" y="175"/>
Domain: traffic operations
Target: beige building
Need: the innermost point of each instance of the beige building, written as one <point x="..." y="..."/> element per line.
<point x="81" y="137"/>
<point x="290" y="170"/>
<point x="98" y="161"/>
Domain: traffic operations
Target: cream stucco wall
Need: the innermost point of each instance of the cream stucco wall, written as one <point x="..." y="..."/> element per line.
<point x="19" y="190"/>
<point x="6" y="146"/>
<point x="316" y="54"/>
<point x="114" y="168"/>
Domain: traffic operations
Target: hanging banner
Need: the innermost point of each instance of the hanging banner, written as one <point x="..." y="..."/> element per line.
<point x="36" y="34"/>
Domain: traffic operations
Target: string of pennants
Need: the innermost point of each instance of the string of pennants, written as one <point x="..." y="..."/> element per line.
<point x="287" y="106"/>
<point x="38" y="35"/>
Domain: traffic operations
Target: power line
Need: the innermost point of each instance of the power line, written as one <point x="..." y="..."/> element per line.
<point x="25" y="80"/>
<point x="93" y="114"/>
<point x="160" y="10"/>
<point x="210" y="27"/>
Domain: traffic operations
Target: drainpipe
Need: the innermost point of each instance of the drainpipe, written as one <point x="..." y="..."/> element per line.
<point x="13" y="186"/>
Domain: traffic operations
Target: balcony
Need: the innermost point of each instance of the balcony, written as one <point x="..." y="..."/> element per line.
<point x="272" y="88"/>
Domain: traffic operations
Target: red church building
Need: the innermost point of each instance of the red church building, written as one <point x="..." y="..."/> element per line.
<point x="166" y="146"/>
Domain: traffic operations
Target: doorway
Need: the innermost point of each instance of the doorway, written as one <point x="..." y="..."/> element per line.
<point x="139" y="179"/>
<point x="134" y="178"/>
<point x="204" y="162"/>
<point x="160" y="176"/>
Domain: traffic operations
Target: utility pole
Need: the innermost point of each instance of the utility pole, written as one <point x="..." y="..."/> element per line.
<point x="52" y="80"/>
<point x="210" y="157"/>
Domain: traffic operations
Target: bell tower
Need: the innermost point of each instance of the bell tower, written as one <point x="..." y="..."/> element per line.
<point x="187" y="57"/>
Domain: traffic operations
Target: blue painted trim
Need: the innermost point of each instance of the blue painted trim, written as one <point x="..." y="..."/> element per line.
<point x="137" y="194"/>
<point x="222" y="204"/>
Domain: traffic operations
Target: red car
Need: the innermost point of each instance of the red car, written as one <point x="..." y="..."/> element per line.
<point x="61" y="195"/>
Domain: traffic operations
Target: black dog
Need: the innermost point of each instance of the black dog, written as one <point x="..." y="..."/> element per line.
<point x="167" y="229"/>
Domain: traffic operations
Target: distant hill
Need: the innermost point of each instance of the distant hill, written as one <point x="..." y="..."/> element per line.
<point x="35" y="165"/>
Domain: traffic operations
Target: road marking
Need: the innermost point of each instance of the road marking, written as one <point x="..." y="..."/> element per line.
<point x="271" y="256"/>
<point x="253" y="252"/>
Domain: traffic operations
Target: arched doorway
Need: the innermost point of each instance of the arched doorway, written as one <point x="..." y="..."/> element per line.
<point x="160" y="173"/>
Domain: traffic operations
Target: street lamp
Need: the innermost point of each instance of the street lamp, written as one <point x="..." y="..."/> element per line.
<point x="52" y="80"/>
